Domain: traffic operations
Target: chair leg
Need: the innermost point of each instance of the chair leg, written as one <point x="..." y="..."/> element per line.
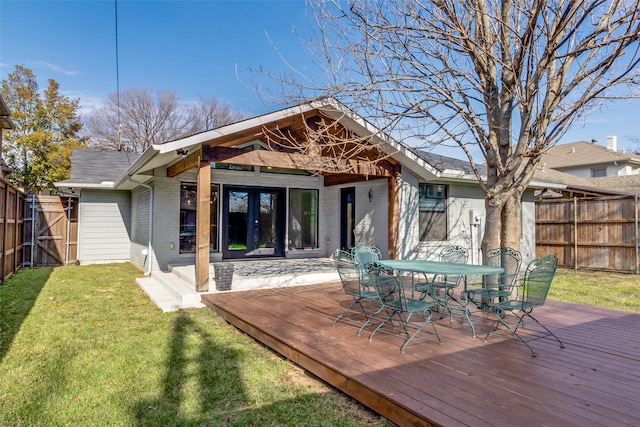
<point x="493" y="330"/>
<point x="369" y="320"/>
<point x="549" y="333"/>
<point x="514" y="330"/>
<point x="427" y="320"/>
<point x="353" y="304"/>
<point x="381" y="324"/>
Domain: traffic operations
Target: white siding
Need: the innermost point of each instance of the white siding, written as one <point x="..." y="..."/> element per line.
<point x="104" y="220"/>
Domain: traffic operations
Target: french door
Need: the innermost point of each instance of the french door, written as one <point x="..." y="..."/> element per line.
<point x="253" y="222"/>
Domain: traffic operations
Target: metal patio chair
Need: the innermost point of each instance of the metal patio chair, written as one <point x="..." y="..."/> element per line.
<point x="497" y="286"/>
<point x="530" y="294"/>
<point x="401" y="307"/>
<point x="363" y="255"/>
<point x="442" y="287"/>
<point x="363" y="296"/>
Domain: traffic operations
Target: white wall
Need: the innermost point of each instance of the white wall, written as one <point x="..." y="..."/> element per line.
<point x="372" y="225"/>
<point x="465" y="205"/>
<point x="104" y="226"/>
<point x="166" y="239"/>
<point x="461" y="200"/>
<point x="111" y="230"/>
<point x="140" y="213"/>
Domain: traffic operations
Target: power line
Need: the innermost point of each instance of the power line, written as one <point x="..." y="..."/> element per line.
<point x="118" y="82"/>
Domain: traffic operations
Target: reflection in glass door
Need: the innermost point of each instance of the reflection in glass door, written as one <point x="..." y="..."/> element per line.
<point x="254" y="222"/>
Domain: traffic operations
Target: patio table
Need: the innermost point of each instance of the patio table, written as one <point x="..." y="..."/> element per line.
<point x="444" y="268"/>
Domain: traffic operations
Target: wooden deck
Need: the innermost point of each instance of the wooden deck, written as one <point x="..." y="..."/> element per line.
<point x="595" y="380"/>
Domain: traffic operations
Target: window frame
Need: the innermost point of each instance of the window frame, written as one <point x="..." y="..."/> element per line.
<point x="316" y="226"/>
<point x="435" y="205"/>
<point x="185" y="233"/>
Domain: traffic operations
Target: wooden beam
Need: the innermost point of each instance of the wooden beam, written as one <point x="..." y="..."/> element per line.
<point x="393" y="189"/>
<point x="301" y="161"/>
<point x="338" y="179"/>
<point x="190" y="162"/>
<point x="203" y="222"/>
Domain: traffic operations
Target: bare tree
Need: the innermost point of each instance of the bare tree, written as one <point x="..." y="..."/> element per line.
<point x="505" y="79"/>
<point x="137" y="118"/>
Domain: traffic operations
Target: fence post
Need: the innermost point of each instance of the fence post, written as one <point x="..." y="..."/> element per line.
<point x="575" y="233"/>
<point x="635" y="200"/>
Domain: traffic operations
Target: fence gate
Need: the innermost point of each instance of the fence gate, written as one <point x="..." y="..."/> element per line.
<point x="51" y="230"/>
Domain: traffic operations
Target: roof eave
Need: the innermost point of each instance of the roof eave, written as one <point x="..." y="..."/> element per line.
<point x="104" y="185"/>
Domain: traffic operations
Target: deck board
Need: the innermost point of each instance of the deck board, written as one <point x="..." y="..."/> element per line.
<point x="595" y="380"/>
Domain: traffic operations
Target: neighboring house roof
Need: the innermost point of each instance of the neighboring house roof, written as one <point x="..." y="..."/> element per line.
<point x="584" y="186"/>
<point x="97" y="168"/>
<point x="576" y="154"/>
<point x="627" y="184"/>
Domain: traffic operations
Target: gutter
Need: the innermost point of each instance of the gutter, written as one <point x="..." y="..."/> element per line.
<point x="149" y="246"/>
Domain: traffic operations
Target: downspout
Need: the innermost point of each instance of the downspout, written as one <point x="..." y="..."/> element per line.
<point x="149" y="246"/>
<point x="68" y="243"/>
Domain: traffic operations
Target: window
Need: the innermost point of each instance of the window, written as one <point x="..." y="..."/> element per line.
<point x="303" y="219"/>
<point x="432" y="204"/>
<point x="188" y="203"/>
<point x="598" y="172"/>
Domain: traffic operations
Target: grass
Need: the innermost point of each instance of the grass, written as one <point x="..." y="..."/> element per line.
<point x="614" y="291"/>
<point x="84" y="346"/>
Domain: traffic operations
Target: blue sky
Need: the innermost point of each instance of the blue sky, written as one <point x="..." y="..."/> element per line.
<point x="191" y="47"/>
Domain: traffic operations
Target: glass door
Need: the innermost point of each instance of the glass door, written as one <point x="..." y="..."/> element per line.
<point x="347" y="218"/>
<point x="254" y="222"/>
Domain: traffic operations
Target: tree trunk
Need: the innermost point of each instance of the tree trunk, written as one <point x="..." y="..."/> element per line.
<point x="511" y="222"/>
<point x="492" y="226"/>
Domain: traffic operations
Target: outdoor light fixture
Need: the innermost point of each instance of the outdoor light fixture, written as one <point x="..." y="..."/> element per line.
<point x="182" y="152"/>
<point x="370" y="195"/>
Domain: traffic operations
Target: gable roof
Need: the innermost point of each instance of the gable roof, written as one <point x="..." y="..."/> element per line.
<point x="584" y="153"/>
<point x="118" y="170"/>
<point x="444" y="163"/>
<point x="97" y="168"/>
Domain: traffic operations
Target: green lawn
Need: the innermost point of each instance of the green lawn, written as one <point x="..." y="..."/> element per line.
<point x="601" y="289"/>
<point x="83" y="346"/>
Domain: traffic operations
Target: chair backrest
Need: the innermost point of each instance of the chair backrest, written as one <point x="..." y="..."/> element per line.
<point x="364" y="254"/>
<point x="454" y="254"/>
<point x="387" y="285"/>
<point x="507" y="258"/>
<point x="537" y="280"/>
<point x="348" y="271"/>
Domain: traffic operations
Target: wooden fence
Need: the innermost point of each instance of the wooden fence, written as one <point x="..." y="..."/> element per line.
<point x="599" y="233"/>
<point x="11" y="229"/>
<point x="51" y="230"/>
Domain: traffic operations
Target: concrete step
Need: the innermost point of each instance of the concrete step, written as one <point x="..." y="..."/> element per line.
<point x="183" y="291"/>
<point x="167" y="294"/>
